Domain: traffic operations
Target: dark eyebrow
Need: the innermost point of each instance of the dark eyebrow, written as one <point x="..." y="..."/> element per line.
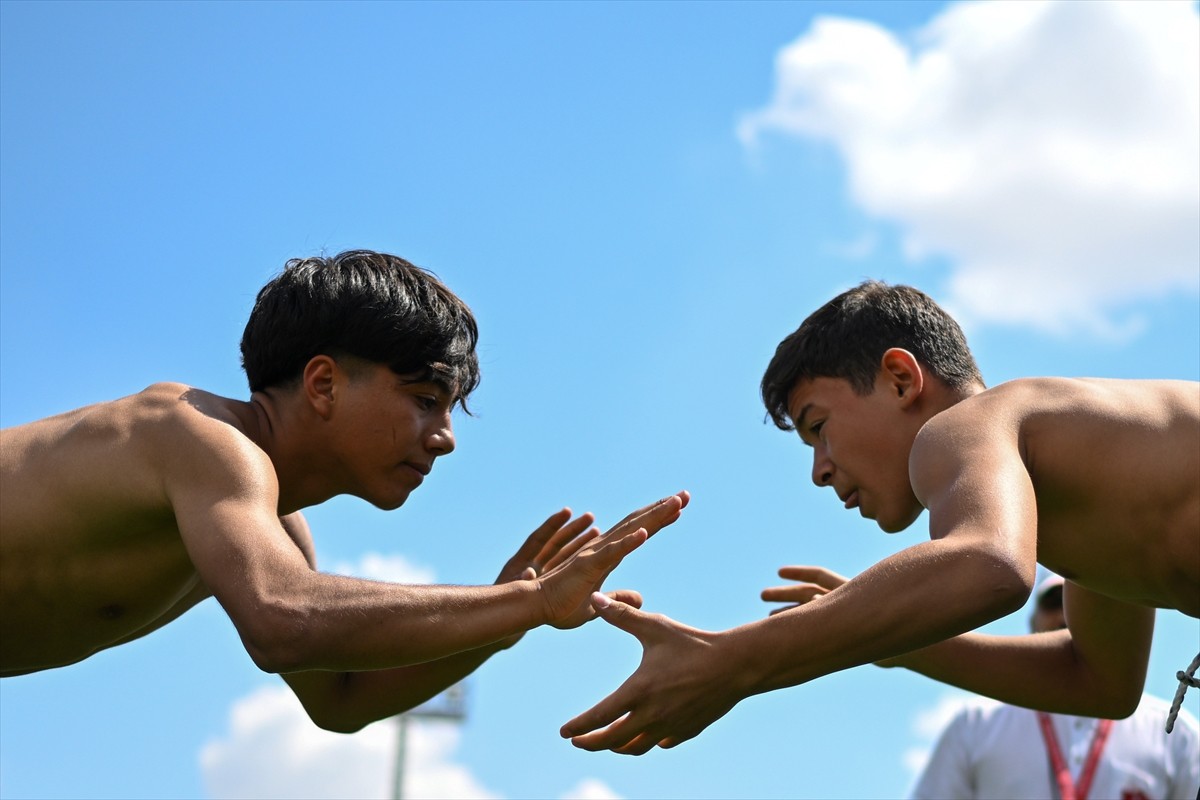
<point x="441" y="388"/>
<point x="799" y="423"/>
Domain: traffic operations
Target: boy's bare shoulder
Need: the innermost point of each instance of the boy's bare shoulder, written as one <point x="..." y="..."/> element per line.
<point x="123" y="453"/>
<point x="1055" y="422"/>
<point x="190" y="430"/>
<point x="1025" y="403"/>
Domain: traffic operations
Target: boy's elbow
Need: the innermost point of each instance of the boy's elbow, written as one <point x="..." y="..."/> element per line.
<point x="335" y="722"/>
<point x="279" y="640"/>
<point x="1006" y="583"/>
<point x="1122" y="705"/>
<point x="334" y="706"/>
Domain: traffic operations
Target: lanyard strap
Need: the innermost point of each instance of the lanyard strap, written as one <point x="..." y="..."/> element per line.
<point x="1067" y="789"/>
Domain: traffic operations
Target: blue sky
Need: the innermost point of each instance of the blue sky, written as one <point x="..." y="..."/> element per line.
<point x="639" y="200"/>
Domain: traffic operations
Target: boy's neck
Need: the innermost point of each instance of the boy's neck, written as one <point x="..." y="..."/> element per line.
<point x="278" y="426"/>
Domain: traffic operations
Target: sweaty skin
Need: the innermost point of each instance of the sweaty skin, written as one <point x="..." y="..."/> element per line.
<point x="1099" y="480"/>
<point x="119" y="517"/>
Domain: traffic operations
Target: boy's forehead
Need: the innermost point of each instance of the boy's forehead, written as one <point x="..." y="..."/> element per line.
<point x="814" y="391"/>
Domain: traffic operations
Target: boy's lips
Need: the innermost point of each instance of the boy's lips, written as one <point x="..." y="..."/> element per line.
<point x="419" y="470"/>
<point x="851" y="500"/>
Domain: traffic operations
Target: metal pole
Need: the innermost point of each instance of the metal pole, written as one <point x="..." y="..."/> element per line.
<point x="449" y="705"/>
<point x="401" y="741"/>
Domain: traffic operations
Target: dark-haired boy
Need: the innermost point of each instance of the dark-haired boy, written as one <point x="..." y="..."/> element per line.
<point x="1099" y="480"/>
<point x="119" y="517"/>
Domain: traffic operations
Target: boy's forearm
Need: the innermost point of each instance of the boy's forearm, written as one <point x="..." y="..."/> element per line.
<point x="903" y="603"/>
<point x="345" y="624"/>
<point x="345" y="702"/>
<point x="1040" y="671"/>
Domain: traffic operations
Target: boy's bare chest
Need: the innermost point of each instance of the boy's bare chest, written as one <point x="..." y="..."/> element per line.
<point x="60" y="602"/>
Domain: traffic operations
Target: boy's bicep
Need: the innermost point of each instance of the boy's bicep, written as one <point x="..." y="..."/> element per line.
<point x="225" y="499"/>
<point x="975" y="484"/>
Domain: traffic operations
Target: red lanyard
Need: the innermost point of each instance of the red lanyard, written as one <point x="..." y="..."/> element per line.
<point x="1066" y="787"/>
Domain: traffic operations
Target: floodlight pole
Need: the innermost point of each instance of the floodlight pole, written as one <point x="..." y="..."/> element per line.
<point x="449" y="705"/>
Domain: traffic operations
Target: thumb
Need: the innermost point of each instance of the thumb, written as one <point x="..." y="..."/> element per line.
<point x="618" y="614"/>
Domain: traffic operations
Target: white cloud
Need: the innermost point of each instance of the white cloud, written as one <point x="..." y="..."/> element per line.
<point x="590" y="789"/>
<point x="392" y="568"/>
<point x="272" y="750"/>
<point x="1048" y="149"/>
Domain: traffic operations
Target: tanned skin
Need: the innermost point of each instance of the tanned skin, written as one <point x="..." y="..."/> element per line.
<point x="119" y="517"/>
<point x="1098" y="480"/>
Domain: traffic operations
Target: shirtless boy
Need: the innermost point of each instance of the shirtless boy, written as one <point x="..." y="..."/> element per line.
<point x="119" y="517"/>
<point x="1099" y="480"/>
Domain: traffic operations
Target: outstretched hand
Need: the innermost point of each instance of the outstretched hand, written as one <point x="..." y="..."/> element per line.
<point x="685" y="682"/>
<point x="570" y="578"/>
<point x="553" y="542"/>
<point x="815" y="582"/>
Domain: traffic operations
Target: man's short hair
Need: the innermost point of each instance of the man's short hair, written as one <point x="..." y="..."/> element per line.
<point x="847" y="337"/>
<point x="367" y="305"/>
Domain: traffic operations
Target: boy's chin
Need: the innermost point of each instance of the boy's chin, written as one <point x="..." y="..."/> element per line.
<point x="896" y="526"/>
<point x="390" y="503"/>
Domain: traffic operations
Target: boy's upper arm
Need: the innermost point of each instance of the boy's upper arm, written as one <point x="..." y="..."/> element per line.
<point x="968" y="473"/>
<point x="1110" y="640"/>
<point x="224" y="493"/>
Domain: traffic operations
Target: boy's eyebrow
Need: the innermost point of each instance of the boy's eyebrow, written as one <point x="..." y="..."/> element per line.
<point x="444" y="390"/>
<point x="798" y="423"/>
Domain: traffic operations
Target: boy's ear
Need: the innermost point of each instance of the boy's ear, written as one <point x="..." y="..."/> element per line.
<point x="903" y="374"/>
<point x="320" y="378"/>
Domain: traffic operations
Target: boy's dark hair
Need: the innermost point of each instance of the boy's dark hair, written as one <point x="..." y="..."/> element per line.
<point x="847" y="337"/>
<point x="373" y="306"/>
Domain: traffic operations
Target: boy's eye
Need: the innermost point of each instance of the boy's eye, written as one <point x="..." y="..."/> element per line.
<point x="426" y="402"/>
<point x="815" y="428"/>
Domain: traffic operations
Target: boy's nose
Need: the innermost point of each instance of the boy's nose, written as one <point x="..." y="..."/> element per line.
<point x="822" y="471"/>
<point x="441" y="441"/>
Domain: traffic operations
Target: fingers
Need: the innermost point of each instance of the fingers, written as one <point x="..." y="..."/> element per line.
<point x="561" y="537"/>
<point x="537" y="540"/>
<point x="626" y="596"/>
<point x="608" y="556"/>
<point x="626" y="616"/>
<point x="798" y="593"/>
<point x="653" y="517"/>
<point x="827" y="579"/>
<point x="569" y="549"/>
<point x="586" y="728"/>
<point x="625" y="736"/>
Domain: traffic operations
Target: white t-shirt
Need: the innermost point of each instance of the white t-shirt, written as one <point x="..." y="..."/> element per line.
<point x="993" y="750"/>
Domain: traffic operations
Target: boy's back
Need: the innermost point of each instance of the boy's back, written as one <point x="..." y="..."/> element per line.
<point x="1115" y="468"/>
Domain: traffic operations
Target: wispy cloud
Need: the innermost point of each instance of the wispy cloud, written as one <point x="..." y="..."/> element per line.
<point x="1046" y="149"/>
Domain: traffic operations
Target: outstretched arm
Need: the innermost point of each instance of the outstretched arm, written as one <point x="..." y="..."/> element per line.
<point x="292" y="618"/>
<point x="346" y="701"/>
<point x="689" y="678"/>
<point x="1096" y="667"/>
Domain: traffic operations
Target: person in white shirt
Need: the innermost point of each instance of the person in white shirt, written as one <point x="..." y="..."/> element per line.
<point x="995" y="750"/>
